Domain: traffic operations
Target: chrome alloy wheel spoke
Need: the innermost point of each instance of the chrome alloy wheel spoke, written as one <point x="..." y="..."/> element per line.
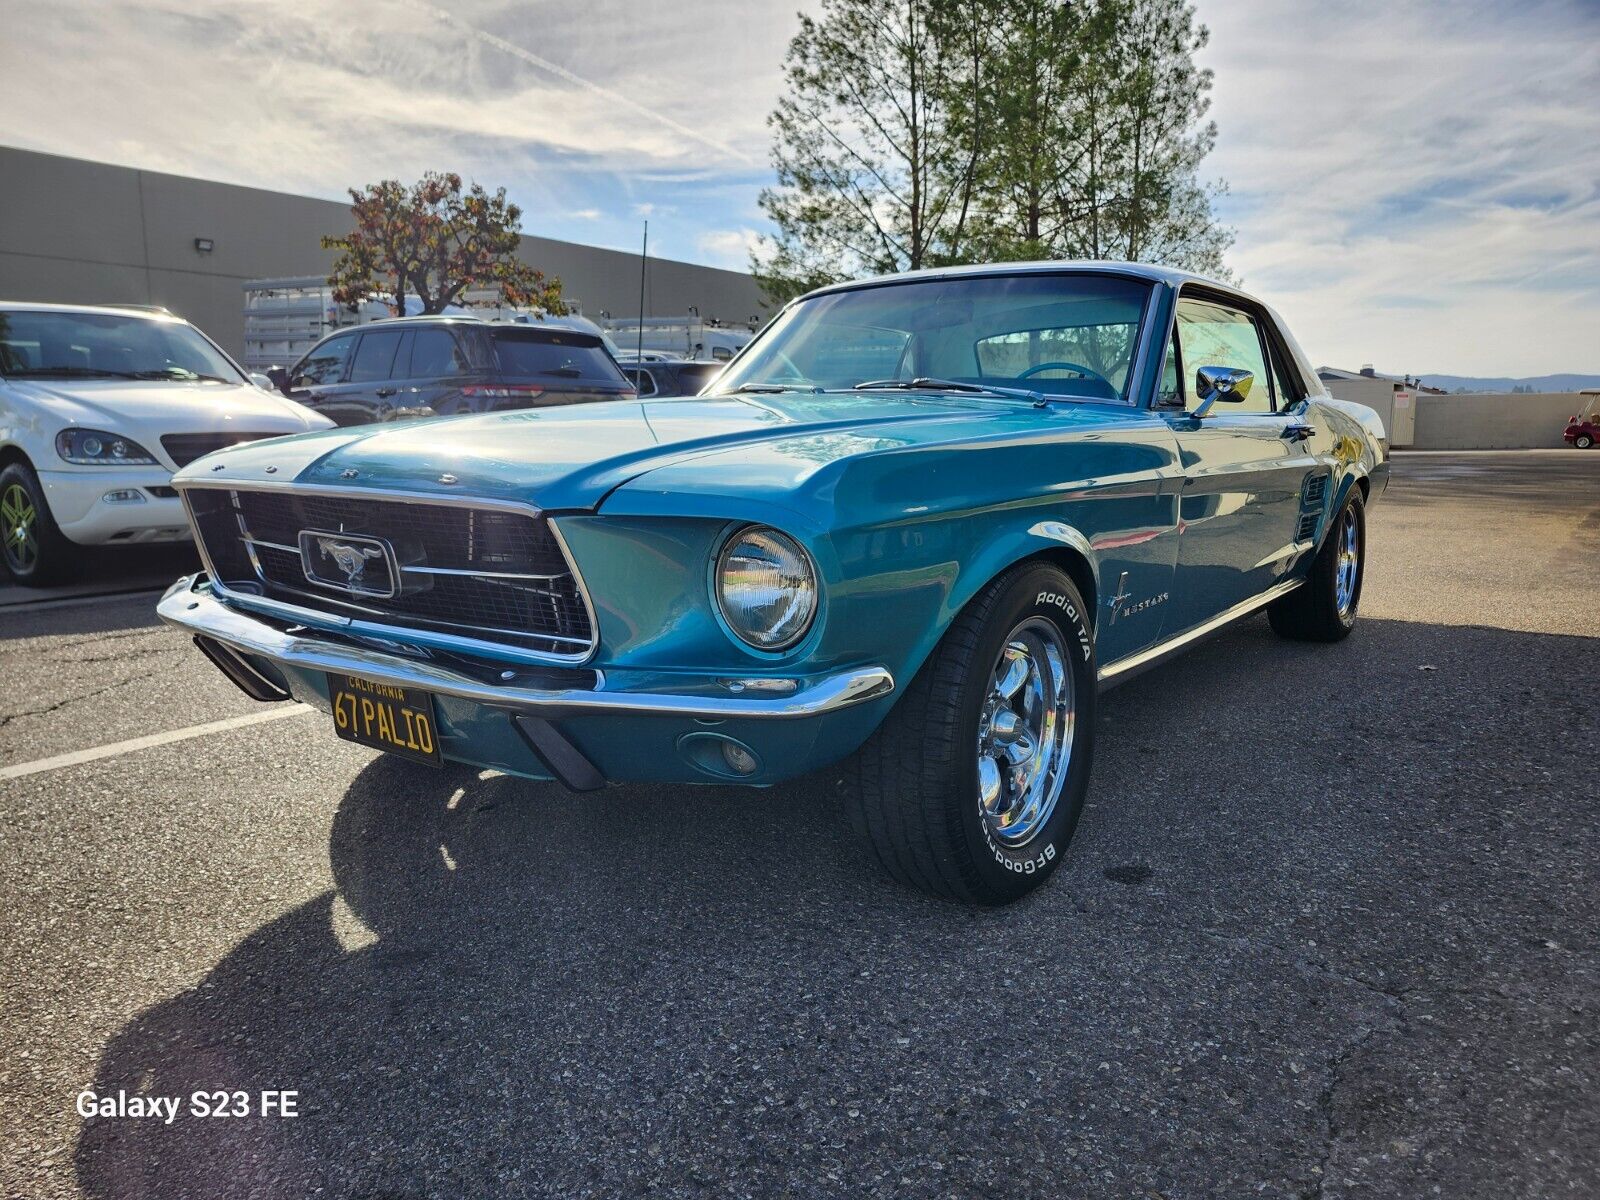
<point x="1348" y="563"/>
<point x="1025" y="733"/>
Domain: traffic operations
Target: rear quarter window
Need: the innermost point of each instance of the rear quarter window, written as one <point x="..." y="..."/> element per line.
<point x="555" y="354"/>
<point x="693" y="377"/>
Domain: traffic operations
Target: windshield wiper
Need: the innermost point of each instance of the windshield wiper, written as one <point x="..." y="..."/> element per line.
<point x="72" y="373"/>
<point x="177" y="374"/>
<point x="564" y="372"/>
<point x="924" y="384"/>
<point x="775" y="389"/>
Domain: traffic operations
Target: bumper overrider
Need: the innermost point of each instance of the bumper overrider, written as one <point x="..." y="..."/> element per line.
<point x="582" y="727"/>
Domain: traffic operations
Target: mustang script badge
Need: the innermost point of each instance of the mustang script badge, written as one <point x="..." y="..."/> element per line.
<point x="363" y="565"/>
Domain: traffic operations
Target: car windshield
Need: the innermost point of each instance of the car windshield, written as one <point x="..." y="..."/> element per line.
<point x="1068" y="335"/>
<point x="555" y="354"/>
<point x="74" y="345"/>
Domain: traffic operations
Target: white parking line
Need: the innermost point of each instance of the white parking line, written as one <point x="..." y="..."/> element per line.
<point x="154" y="739"/>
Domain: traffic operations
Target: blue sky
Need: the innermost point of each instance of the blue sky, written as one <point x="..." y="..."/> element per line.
<point x="1414" y="183"/>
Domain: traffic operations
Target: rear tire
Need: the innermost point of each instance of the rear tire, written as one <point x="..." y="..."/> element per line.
<point x="1583" y="441"/>
<point x="1323" y="609"/>
<point x="36" y="552"/>
<point x="1011" y="685"/>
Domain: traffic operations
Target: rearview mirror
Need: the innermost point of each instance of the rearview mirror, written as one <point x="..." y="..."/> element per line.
<point x="1229" y="385"/>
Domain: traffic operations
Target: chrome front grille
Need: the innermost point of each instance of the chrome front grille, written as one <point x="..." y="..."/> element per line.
<point x="487" y="573"/>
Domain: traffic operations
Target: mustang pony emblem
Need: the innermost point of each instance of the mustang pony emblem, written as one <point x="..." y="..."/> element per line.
<point x="352" y="560"/>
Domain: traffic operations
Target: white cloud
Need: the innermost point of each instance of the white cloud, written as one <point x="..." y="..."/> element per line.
<point x="1416" y="185"/>
<point x="728" y="247"/>
<point x="306" y="97"/>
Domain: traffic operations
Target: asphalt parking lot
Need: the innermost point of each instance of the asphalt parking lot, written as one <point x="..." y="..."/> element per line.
<point x="1330" y="927"/>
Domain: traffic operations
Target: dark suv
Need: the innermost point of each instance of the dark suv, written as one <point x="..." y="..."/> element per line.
<point x="437" y="366"/>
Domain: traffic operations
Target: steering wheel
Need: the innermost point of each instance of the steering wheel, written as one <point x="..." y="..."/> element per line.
<point x="1068" y="366"/>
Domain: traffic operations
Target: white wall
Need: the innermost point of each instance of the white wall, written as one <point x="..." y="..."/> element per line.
<point x="1494" y="421"/>
<point x="78" y="232"/>
<point x="1378" y="395"/>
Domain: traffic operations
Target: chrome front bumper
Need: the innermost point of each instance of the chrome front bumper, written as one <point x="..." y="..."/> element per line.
<point x="190" y="606"/>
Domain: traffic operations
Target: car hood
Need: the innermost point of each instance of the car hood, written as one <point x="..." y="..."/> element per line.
<point x="143" y="410"/>
<point x="571" y="458"/>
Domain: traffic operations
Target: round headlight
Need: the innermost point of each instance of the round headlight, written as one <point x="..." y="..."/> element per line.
<point x="767" y="588"/>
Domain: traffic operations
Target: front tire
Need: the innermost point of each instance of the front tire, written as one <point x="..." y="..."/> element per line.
<point x="35" y="550"/>
<point x="1323" y="609"/>
<point x="973" y="785"/>
<point x="1583" y="441"/>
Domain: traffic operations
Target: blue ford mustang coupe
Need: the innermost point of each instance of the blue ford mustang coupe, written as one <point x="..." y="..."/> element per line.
<point x="918" y="523"/>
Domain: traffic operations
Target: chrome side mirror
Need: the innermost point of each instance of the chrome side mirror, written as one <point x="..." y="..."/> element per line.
<point x="1228" y="385"/>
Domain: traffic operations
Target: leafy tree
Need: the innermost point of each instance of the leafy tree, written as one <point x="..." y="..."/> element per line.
<point x="436" y="242"/>
<point x="1152" y="101"/>
<point x="1039" y="53"/>
<point x="1002" y="130"/>
<point x="874" y="174"/>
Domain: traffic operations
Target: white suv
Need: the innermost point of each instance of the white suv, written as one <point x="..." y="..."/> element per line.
<point x="98" y="406"/>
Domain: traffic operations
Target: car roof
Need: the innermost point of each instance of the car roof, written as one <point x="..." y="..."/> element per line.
<point x="146" y="311"/>
<point x="1146" y="271"/>
<point x="422" y="319"/>
<point x="554" y="324"/>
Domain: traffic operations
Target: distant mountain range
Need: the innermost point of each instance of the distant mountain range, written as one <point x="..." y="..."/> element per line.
<point x="1537" y="383"/>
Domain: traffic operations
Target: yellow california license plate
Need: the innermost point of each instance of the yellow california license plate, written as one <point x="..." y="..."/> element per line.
<point x="385" y="717"/>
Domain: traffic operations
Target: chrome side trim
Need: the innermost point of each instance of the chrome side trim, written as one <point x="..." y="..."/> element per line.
<point x="197" y="611"/>
<point x="1292" y="551"/>
<point x="395" y="632"/>
<point x="1126" y="668"/>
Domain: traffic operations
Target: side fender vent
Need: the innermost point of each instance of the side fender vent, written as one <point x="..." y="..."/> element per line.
<point x="1313" y="497"/>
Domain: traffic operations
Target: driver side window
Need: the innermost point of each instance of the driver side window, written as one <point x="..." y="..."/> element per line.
<point x="325" y="363"/>
<point x="1215" y="335"/>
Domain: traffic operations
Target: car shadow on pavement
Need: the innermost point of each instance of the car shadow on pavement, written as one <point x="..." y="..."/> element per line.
<point x="1325" y="917"/>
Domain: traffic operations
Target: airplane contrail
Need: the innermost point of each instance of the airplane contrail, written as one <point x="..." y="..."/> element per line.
<point x="544" y="64"/>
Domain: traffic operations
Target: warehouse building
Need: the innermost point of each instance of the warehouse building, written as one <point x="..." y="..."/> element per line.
<point x="78" y="232"/>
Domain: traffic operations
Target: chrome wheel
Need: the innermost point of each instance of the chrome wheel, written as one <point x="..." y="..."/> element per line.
<point x="1347" y="570"/>
<point x="1025" y="733"/>
<point x="18" y="517"/>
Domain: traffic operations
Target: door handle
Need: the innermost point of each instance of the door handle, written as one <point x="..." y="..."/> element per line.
<point x="1298" y="431"/>
<point x="382" y="392"/>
